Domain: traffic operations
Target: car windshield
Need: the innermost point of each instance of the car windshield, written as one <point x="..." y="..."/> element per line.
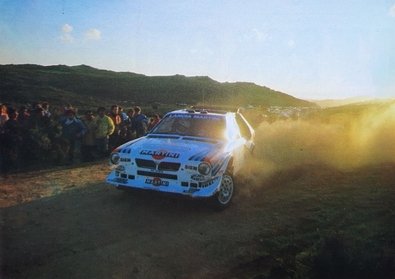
<point x="196" y="125"/>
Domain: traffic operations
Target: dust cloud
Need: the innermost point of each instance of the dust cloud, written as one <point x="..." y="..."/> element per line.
<point x="344" y="139"/>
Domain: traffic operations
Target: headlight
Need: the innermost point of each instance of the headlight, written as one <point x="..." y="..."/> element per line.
<point x="204" y="168"/>
<point x="114" y="159"/>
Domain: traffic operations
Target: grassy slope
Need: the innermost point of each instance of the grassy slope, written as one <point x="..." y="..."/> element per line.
<point x="87" y="85"/>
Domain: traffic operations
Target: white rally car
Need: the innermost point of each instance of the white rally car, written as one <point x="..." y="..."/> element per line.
<point x="194" y="153"/>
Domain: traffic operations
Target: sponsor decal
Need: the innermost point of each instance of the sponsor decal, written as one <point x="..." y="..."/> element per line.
<point x="196" y="116"/>
<point x="156" y="181"/>
<point x="187" y="167"/>
<point x="208" y="183"/>
<point x="160" y="154"/>
<point x="181" y="115"/>
<point x="198" y="177"/>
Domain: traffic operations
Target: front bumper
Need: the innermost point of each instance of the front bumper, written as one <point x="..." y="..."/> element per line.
<point x="194" y="189"/>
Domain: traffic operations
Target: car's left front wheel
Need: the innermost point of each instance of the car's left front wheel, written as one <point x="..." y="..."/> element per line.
<point x="225" y="193"/>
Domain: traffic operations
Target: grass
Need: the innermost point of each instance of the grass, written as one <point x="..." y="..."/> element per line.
<point x="83" y="85"/>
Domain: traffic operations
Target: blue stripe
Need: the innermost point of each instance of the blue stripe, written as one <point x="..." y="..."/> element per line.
<point x="198" y="156"/>
<point x="218" y="167"/>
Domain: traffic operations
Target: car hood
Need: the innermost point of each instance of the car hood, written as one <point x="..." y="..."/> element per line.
<point x="172" y="148"/>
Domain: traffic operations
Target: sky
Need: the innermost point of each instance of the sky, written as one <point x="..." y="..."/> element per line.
<point x="310" y="49"/>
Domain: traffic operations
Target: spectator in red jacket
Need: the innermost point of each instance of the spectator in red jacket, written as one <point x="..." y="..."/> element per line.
<point x="3" y="115"/>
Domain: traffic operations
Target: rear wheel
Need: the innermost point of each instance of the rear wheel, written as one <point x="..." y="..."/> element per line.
<point x="225" y="193"/>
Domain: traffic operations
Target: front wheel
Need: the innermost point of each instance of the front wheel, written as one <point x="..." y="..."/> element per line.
<point x="225" y="193"/>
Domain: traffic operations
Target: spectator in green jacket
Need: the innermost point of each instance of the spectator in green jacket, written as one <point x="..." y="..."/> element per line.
<point x="105" y="127"/>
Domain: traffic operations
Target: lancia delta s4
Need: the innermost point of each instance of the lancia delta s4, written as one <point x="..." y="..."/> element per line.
<point x="195" y="153"/>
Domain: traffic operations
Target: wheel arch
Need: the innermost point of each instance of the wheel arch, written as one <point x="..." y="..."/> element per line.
<point x="230" y="167"/>
<point x="226" y="165"/>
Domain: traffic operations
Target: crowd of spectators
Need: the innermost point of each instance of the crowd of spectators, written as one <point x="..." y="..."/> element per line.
<point x="38" y="135"/>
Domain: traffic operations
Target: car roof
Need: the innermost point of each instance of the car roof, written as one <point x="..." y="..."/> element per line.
<point x="201" y="111"/>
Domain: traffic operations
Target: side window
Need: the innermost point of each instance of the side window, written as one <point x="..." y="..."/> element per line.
<point x="244" y="128"/>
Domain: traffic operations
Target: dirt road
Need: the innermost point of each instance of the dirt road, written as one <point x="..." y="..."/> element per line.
<point x="69" y="224"/>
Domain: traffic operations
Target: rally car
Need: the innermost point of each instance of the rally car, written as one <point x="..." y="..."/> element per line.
<point x="191" y="152"/>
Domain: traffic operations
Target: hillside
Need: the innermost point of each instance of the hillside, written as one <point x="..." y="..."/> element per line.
<point x="83" y="85"/>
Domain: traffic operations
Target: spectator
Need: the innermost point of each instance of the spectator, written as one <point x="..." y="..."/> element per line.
<point x="57" y="113"/>
<point x="114" y="138"/>
<point x="36" y="137"/>
<point x="36" y="119"/>
<point x="10" y="141"/>
<point x="130" y="133"/>
<point x="72" y="130"/>
<point x="3" y="114"/>
<point x="130" y="114"/>
<point x="37" y="105"/>
<point x="23" y="116"/>
<point x="66" y="108"/>
<point x="124" y="115"/>
<point x="88" y="147"/>
<point x="105" y="127"/>
<point x="124" y="127"/>
<point x="153" y="121"/>
<point x="45" y="107"/>
<point x="139" y="122"/>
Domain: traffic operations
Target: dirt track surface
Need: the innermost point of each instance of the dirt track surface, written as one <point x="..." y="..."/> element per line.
<point x="69" y="224"/>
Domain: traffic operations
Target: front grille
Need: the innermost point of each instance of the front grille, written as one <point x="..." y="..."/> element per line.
<point x="147" y="164"/>
<point x="168" y="166"/>
<point x="163" y="166"/>
<point x="156" y="174"/>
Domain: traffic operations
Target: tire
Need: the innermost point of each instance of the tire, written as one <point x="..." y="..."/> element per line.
<point x="222" y="199"/>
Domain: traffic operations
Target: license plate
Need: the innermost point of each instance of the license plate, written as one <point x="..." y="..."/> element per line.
<point x="156" y="182"/>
